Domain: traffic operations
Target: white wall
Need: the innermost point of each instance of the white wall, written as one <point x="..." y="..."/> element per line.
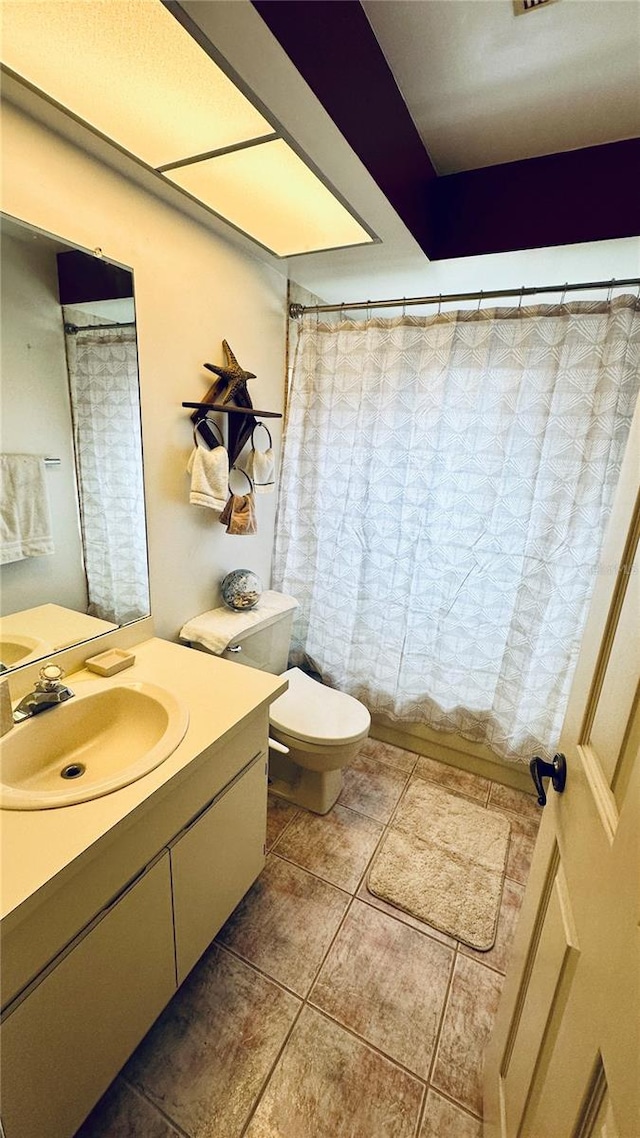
<point x="415" y="276"/>
<point x="36" y="419"/>
<point x="192" y="290"/>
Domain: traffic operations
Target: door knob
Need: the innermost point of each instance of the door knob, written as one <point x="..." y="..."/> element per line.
<point x="556" y="771"/>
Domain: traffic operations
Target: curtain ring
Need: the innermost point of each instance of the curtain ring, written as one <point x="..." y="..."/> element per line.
<point x="480" y="300"/>
<point x="404" y="307"/>
<point x="439" y="304"/>
<point x="564" y="292"/>
<point x="210" y="423"/>
<point x="610" y="291"/>
<point x="521" y="298"/>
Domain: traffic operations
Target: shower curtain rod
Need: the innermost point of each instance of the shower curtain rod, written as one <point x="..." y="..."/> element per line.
<point x="73" y="328"/>
<point x="298" y="310"/>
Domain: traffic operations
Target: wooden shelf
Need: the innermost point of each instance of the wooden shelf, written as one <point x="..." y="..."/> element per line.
<point x="232" y="409"/>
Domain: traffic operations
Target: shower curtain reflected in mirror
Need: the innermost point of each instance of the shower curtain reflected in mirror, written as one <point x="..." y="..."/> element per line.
<point x="445" y="487"/>
<point x="103" y="383"/>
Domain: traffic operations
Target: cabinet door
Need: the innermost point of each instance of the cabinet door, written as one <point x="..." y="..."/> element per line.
<point x="66" y="1039"/>
<point x="215" y="860"/>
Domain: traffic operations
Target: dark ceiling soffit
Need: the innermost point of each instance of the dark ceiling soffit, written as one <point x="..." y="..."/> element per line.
<point x="332" y="45"/>
<point x="560" y="199"/>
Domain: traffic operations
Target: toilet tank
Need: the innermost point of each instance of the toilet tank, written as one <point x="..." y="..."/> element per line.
<point x="259" y="637"/>
<point x="265" y="646"/>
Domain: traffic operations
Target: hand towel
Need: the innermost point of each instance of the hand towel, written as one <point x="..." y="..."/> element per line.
<point x="261" y="470"/>
<point x="25" y="520"/>
<point x="217" y="628"/>
<point x="239" y="514"/>
<point x="209" y="470"/>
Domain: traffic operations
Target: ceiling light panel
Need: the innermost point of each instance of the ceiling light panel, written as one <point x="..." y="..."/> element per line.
<point x="131" y="71"/>
<point x="271" y="194"/>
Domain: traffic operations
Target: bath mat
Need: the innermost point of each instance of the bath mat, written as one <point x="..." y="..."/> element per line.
<point x="443" y="861"/>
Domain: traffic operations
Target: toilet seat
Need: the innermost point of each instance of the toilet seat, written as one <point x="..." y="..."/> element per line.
<point x="313" y="713"/>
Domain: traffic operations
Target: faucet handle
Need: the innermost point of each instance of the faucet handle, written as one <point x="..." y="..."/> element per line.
<point x="49" y="676"/>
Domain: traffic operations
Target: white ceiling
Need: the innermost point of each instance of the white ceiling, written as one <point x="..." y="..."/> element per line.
<point x="485" y="86"/>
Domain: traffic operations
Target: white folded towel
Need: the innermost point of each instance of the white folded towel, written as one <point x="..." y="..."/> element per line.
<point x="217" y="628"/>
<point x="209" y="470"/>
<point x="261" y="470"/>
<point x="25" y="520"/>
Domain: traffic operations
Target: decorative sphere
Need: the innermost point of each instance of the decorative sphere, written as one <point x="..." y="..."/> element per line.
<point x="241" y="589"/>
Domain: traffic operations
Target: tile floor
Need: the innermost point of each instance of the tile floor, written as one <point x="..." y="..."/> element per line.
<point x="320" y="1011"/>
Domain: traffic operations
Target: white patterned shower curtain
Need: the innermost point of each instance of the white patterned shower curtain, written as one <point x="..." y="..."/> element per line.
<point x="445" y="486"/>
<point x="105" y="407"/>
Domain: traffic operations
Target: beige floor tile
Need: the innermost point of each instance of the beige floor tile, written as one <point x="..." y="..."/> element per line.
<point x="337" y="846"/>
<point x="123" y="1113"/>
<point x="388" y="983"/>
<point x="372" y="788"/>
<point x="386" y="753"/>
<point x="385" y="907"/>
<point x="468" y="1020"/>
<point x="507" y="798"/>
<point x="279" y="814"/>
<point x="327" y="1084"/>
<point x="207" y="1056"/>
<point x="442" y="1119"/>
<point x="498" y="956"/>
<point x="286" y="923"/>
<point x="454" y="779"/>
<point x="522" y="842"/>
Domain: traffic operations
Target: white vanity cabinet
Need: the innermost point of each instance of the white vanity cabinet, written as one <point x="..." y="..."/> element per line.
<point x="215" y="860"/>
<point x="184" y="865"/>
<point x="64" y="1041"/>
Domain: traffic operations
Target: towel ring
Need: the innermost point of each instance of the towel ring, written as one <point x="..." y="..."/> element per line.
<point x="264" y="426"/>
<point x="239" y="470"/>
<point x="210" y="423"/>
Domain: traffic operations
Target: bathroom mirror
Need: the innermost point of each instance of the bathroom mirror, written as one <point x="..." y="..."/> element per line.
<point x="73" y="540"/>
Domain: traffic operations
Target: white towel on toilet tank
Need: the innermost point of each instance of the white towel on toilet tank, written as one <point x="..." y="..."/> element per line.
<point x="217" y="628"/>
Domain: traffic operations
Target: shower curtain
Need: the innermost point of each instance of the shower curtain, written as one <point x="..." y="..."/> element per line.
<point x="105" y="408"/>
<point x="445" y="486"/>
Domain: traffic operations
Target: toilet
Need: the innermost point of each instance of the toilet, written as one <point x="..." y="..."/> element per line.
<point x="314" y="731"/>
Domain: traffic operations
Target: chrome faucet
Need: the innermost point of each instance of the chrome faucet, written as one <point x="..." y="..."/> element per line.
<point x="49" y="691"/>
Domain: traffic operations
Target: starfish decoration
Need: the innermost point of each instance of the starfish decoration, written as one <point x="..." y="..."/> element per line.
<point x="235" y="378"/>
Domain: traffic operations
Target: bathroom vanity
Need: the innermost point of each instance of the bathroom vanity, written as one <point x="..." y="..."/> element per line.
<point x="108" y="904"/>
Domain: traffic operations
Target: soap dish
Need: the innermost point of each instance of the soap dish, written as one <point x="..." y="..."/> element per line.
<point x="110" y="662"/>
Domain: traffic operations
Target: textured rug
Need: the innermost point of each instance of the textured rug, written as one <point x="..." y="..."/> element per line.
<point x="443" y="861"/>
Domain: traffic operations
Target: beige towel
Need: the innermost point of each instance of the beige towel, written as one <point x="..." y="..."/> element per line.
<point x="209" y="470"/>
<point x="25" y="521"/>
<point x="239" y="514"/>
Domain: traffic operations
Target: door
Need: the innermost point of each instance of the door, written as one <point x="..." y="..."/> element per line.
<point x="215" y="860"/>
<point x="65" y="1041"/>
<point x="563" y="1061"/>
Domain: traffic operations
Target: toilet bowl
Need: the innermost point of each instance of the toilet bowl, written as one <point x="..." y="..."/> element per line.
<point x="315" y="731"/>
<point x="322" y="730"/>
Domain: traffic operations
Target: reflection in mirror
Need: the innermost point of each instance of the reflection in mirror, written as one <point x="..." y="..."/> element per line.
<point x="73" y="558"/>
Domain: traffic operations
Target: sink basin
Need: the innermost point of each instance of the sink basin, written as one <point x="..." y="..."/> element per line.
<point x="101" y="740"/>
<point x="18" y="649"/>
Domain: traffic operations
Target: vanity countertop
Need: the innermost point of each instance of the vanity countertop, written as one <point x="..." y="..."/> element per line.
<point x="37" y="845"/>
